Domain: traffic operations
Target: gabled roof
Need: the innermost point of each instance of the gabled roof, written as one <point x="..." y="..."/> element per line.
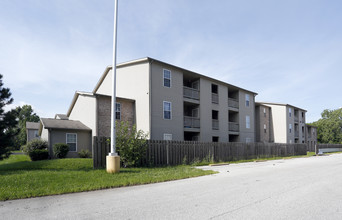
<point x="149" y="59"/>
<point x="77" y="93"/>
<point x="32" y="125"/>
<point x="61" y="116"/>
<point x="281" y="104"/>
<point x="63" y="124"/>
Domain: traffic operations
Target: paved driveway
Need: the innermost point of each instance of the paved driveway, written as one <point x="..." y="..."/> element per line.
<point x="306" y="188"/>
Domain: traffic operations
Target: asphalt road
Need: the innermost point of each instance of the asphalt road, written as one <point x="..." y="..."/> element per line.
<point x="305" y="188"/>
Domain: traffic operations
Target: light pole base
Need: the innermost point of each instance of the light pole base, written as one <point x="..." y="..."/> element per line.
<point x="113" y="164"/>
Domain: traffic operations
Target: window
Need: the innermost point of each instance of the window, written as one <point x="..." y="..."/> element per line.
<point x="214" y="94"/>
<point x="118" y="111"/>
<point x="290" y="127"/>
<point x="167" y="110"/>
<point x="215" y="119"/>
<point x="35" y="133"/>
<point x="215" y="139"/>
<point x="247" y="100"/>
<point x="265" y="130"/>
<point x="264" y="112"/>
<point x="290" y="112"/>
<point x="71" y="140"/>
<point x="248" y="140"/>
<point x="167" y="137"/>
<point x="167" y="78"/>
<point x="248" y="121"/>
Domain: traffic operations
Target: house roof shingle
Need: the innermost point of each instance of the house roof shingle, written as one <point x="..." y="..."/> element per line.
<point x="63" y="124"/>
<point x="32" y="125"/>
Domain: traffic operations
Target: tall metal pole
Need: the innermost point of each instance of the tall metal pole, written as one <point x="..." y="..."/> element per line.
<point x="113" y="135"/>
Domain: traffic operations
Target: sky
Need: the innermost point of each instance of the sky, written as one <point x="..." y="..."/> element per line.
<point x="286" y="51"/>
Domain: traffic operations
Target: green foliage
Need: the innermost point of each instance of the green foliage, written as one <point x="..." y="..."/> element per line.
<point x="21" y="178"/>
<point x="24" y="114"/>
<point x="84" y="154"/>
<point x="35" y="144"/>
<point x="60" y="150"/>
<point x="39" y="155"/>
<point x="8" y="122"/>
<point x="329" y="127"/>
<point x="131" y="144"/>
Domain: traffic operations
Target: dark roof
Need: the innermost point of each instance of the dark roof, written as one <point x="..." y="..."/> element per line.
<point x="63" y="124"/>
<point x="32" y="125"/>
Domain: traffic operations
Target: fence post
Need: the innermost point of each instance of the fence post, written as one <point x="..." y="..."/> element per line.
<point x="167" y="152"/>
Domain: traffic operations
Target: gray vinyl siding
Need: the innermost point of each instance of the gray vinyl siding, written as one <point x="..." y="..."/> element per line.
<point x="243" y="112"/>
<point x="159" y="94"/>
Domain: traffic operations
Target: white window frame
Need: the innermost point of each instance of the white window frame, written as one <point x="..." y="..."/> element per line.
<point x="118" y="104"/>
<point x="164" y="102"/>
<point x="35" y="133"/>
<point x="290" y="128"/>
<point x="166" y="70"/>
<point x="248" y="121"/>
<point x="247" y="100"/>
<point x="265" y="128"/>
<point x="264" y="112"/>
<point x="167" y="137"/>
<point x="66" y="140"/>
<point x="248" y="140"/>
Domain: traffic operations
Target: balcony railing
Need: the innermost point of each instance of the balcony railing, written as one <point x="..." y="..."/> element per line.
<point x="215" y="124"/>
<point x="214" y="98"/>
<point x="190" y="93"/>
<point x="296" y="119"/>
<point x="233" y="126"/>
<point x="233" y="103"/>
<point x="191" y="122"/>
<point x="296" y="134"/>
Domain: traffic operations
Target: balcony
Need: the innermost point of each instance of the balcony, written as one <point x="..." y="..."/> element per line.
<point x="233" y="126"/>
<point x="296" y="119"/>
<point x="191" y="122"/>
<point x="190" y="93"/>
<point x="296" y="134"/>
<point x="233" y="103"/>
<point x="214" y="98"/>
<point x="215" y="124"/>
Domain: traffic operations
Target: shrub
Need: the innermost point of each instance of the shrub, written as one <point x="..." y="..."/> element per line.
<point x="60" y="150"/>
<point x="130" y="144"/>
<point x="35" y="144"/>
<point x="39" y="155"/>
<point x="84" y="154"/>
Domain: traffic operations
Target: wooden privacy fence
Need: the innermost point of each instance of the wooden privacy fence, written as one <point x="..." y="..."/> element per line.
<point x="161" y="153"/>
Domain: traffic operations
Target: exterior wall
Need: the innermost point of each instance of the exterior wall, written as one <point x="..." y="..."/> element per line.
<point x="84" y="140"/>
<point x="31" y="134"/>
<point x="104" y="114"/>
<point x="262" y="119"/>
<point x="280" y="123"/>
<point x="290" y="120"/>
<point x="132" y="83"/>
<point x="45" y="134"/>
<point x="159" y="93"/>
<point x="246" y="133"/>
<point x="206" y="107"/>
<point x="85" y="111"/>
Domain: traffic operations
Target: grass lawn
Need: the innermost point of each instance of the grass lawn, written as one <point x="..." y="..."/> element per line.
<point x="22" y="178"/>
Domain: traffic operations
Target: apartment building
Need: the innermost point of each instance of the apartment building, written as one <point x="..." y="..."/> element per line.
<point x="172" y="103"/>
<point x="286" y="123"/>
<point x="263" y="123"/>
<point x="311" y="136"/>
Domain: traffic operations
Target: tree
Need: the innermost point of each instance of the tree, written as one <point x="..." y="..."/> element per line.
<point x="8" y="121"/>
<point x="329" y="127"/>
<point x="24" y="114"/>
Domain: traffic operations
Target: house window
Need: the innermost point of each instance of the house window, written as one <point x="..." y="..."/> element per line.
<point x="248" y="121"/>
<point x="264" y="112"/>
<point x="215" y="139"/>
<point x="290" y="112"/>
<point x="167" y="137"/>
<point x="167" y="78"/>
<point x="71" y="140"/>
<point x="265" y="128"/>
<point x="290" y="127"/>
<point x="247" y="100"/>
<point x="214" y="94"/>
<point x="118" y="111"/>
<point x="35" y="133"/>
<point x="248" y="140"/>
<point x="167" y="110"/>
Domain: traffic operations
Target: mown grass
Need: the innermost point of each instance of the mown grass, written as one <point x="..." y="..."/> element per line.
<point x="22" y="178"/>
